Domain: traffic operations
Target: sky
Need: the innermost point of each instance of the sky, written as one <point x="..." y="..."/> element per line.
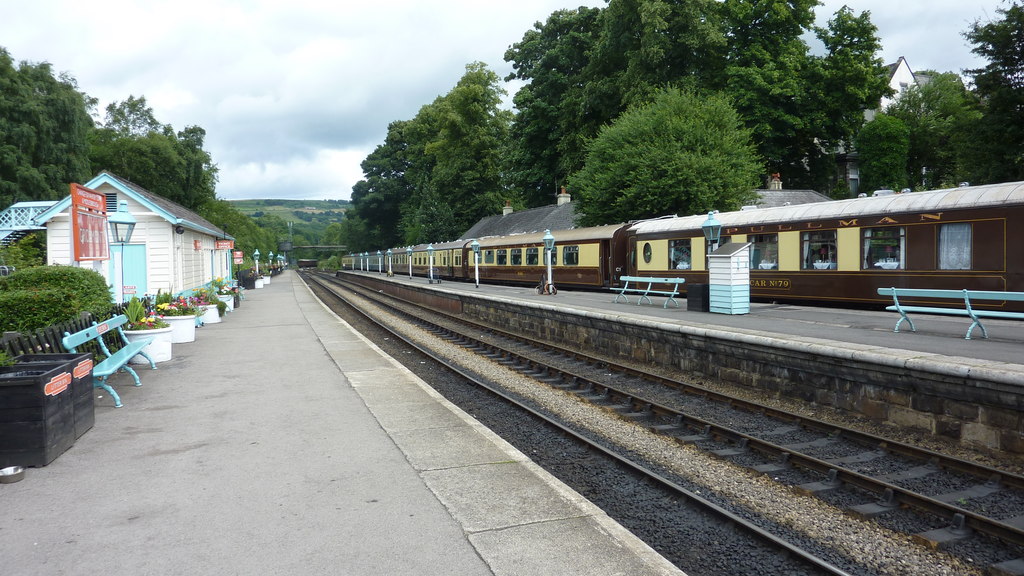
<point x="294" y="94"/>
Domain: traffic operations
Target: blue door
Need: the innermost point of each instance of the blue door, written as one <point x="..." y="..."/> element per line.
<point x="130" y="279"/>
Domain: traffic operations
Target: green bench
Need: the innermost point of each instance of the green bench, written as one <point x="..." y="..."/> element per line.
<point x="114" y="361"/>
<point x="636" y="285"/>
<point x="964" y="297"/>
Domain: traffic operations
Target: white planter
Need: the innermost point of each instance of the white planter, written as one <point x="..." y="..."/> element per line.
<point x="259" y="282"/>
<point x="210" y="315"/>
<point x="266" y="280"/>
<point x="228" y="299"/>
<point x="183" y="328"/>
<point x="159" y="349"/>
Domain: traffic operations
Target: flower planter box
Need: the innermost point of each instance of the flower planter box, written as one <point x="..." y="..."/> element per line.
<point x="183" y="328"/>
<point x="37" y="420"/>
<point x="83" y="398"/>
<point x="210" y="314"/>
<point x="160" y="349"/>
<point x="228" y="299"/>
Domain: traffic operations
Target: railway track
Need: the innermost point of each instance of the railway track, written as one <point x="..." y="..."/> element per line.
<point x="872" y="477"/>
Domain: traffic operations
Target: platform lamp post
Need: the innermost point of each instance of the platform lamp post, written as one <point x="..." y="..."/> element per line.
<point x="476" y="261"/>
<point x="430" y="262"/>
<point x="390" y="271"/>
<point x="549" y="247"/>
<point x="712" y="232"/>
<point x="122" y="224"/>
<point x="256" y="259"/>
<point x="270" y="261"/>
<point x="408" y="256"/>
<point x="380" y="262"/>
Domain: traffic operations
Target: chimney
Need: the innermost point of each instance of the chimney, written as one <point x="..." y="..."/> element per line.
<point x="508" y="208"/>
<point x="563" y="197"/>
<point x="776" y="182"/>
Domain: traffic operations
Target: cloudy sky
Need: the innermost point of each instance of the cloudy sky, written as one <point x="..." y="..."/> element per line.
<point x="294" y="94"/>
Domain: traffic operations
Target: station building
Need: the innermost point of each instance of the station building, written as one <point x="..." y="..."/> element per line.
<point x="171" y="249"/>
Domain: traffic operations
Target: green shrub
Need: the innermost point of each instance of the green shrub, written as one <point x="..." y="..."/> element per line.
<point x="35" y="298"/>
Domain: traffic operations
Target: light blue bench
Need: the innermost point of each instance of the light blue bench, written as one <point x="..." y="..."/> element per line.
<point x="113" y="362"/>
<point x="964" y="297"/>
<point x="644" y="287"/>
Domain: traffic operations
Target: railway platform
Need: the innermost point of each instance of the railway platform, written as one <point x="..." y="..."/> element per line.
<point x="939" y="338"/>
<point x="281" y="442"/>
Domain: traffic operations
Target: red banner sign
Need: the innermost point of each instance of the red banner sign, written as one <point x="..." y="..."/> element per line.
<point x="225" y="244"/>
<point x="89" y="224"/>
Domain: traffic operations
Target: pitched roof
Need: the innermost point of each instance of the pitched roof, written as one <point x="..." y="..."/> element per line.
<point x="773" y="198"/>
<point x="170" y="211"/>
<point x="525" y="221"/>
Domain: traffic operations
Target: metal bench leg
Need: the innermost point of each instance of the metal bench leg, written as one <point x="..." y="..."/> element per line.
<point x="909" y="321"/>
<point x="102" y="383"/>
<point x="621" y="295"/>
<point x="984" y="333"/>
<point x="131" y="371"/>
<point x="146" y="355"/>
<point x="672" y="300"/>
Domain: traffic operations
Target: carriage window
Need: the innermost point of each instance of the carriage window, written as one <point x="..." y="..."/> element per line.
<point x="571" y="255"/>
<point x="647" y="252"/>
<point x="955" y="246"/>
<point x="679" y="254"/>
<point x="883" y="249"/>
<point x="517" y="256"/>
<point x="502" y="257"/>
<point x="764" y="251"/>
<point x="531" y="257"/>
<point x="458" y="259"/>
<point x="819" y="250"/>
<point x="488" y="256"/>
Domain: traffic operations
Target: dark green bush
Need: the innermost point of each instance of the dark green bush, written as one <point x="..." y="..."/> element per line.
<point x="35" y="298"/>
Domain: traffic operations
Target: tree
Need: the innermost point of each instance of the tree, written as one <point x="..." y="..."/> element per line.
<point x="544" y="142"/>
<point x="685" y="153"/>
<point x="939" y="115"/>
<point x="883" y="144"/>
<point x="44" y="123"/>
<point x="134" y="145"/>
<point x="998" y="155"/>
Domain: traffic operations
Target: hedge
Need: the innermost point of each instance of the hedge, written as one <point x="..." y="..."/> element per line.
<point x="35" y="298"/>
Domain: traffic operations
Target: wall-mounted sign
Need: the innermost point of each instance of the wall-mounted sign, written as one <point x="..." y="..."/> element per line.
<point x="197" y="245"/>
<point x="225" y="244"/>
<point x="89" y="224"/>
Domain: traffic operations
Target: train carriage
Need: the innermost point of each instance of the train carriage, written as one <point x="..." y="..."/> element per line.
<point x="843" y="251"/>
<point x="582" y="257"/>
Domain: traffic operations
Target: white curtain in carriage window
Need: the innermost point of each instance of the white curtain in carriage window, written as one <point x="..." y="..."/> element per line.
<point x="955" y="246"/>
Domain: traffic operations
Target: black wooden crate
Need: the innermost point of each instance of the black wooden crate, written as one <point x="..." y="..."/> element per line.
<point x="82" y="395"/>
<point x="37" y="421"/>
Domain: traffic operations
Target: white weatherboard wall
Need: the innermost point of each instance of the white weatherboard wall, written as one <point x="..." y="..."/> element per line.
<point x="729" y="279"/>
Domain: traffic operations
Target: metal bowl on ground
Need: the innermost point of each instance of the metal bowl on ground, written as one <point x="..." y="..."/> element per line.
<point x="11" y="474"/>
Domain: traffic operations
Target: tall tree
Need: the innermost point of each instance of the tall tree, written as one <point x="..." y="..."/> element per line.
<point x="544" y="141"/>
<point x="685" y="153"/>
<point x="134" y="145"/>
<point x="940" y="115"/>
<point x="884" y="145"/>
<point x="999" y="148"/>
<point x="44" y="124"/>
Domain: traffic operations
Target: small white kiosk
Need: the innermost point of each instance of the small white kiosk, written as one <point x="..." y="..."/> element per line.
<point x="729" y="279"/>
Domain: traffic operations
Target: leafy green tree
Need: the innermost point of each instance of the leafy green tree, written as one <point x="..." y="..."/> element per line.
<point x="378" y="198"/>
<point x="940" y="115"/>
<point x="44" y="123"/>
<point x="685" y="153"/>
<point x="133" y="145"/>
<point x="545" y="144"/>
<point x="884" y="145"/>
<point x="998" y="154"/>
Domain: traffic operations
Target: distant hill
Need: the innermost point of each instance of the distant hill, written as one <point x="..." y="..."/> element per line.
<point x="309" y="211"/>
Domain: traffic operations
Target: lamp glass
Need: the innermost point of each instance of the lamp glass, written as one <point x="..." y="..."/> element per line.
<point x="549" y="240"/>
<point x="476" y="246"/>
<point x="122" y="224"/>
<point x="712" y="228"/>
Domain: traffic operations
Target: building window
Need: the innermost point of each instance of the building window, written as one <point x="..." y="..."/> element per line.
<point x="502" y="257"/>
<point x="955" y="246"/>
<point x="532" y="259"/>
<point x="883" y="249"/>
<point x="764" y="251"/>
<point x="570" y="255"/>
<point x="517" y="256"/>
<point x="819" y="250"/>
<point x="679" y="254"/>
